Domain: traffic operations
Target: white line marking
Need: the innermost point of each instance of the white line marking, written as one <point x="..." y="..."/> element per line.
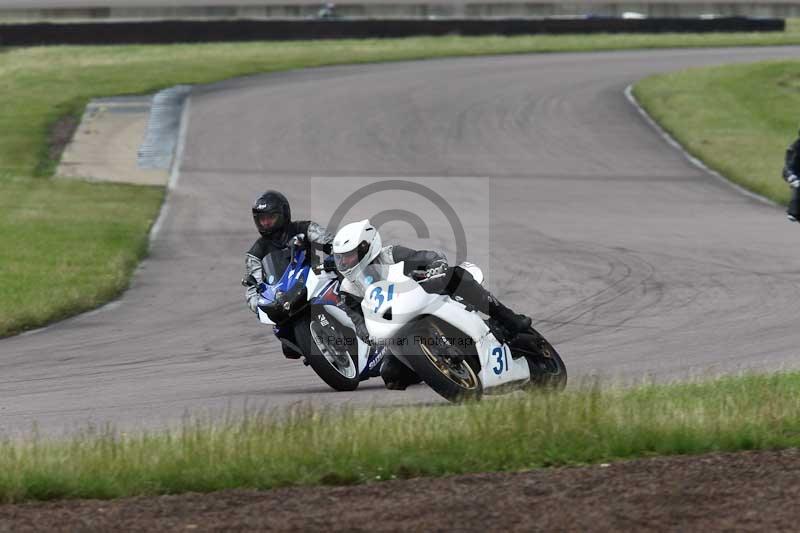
<point x="693" y="160"/>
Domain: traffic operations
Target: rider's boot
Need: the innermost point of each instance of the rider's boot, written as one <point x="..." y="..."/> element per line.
<point x="513" y="322"/>
<point x="396" y="375"/>
<point x="475" y="294"/>
<point x="793" y="211"/>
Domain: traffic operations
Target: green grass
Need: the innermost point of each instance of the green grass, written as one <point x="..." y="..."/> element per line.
<point x="66" y="246"/>
<point x="93" y="261"/>
<point x="304" y="446"/>
<point x="738" y="119"/>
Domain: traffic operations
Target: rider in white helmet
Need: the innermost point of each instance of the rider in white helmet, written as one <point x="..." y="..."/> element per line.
<point x="358" y="245"/>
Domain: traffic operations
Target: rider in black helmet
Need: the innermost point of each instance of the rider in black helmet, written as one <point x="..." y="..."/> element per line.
<point x="273" y="219"/>
<point x="791" y="171"/>
<point x="271" y="214"/>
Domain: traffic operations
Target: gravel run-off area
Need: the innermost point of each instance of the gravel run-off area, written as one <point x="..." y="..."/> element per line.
<point x="747" y="491"/>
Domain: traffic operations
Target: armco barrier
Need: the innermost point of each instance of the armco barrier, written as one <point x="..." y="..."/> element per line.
<point x="185" y="31"/>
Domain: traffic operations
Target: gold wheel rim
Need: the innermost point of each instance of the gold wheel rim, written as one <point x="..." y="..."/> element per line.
<point x="446" y="371"/>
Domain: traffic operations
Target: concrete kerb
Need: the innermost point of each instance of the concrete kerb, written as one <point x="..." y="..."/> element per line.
<point x="689" y="157"/>
<point x="175" y="167"/>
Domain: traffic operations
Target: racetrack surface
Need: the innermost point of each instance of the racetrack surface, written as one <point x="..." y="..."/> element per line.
<point x="633" y="262"/>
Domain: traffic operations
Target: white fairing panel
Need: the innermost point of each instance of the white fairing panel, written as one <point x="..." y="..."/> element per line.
<point x="398" y="293"/>
<point x="315" y="283"/>
<point x="498" y="367"/>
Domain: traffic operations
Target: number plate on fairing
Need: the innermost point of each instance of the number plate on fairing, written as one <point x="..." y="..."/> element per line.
<point x="499" y="368"/>
<point x="380" y="296"/>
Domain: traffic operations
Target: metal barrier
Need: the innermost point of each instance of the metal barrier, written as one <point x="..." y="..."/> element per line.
<point x="189" y="31"/>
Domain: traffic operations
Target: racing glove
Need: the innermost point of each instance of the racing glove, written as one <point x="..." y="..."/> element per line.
<point x="436" y="268"/>
<point x="793" y="181"/>
<point x="433" y="280"/>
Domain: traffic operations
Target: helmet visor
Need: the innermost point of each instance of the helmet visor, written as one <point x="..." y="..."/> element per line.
<point x="347" y="260"/>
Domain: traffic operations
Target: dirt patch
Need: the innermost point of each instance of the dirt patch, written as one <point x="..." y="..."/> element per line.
<point x="60" y="135"/>
<point x="749" y="491"/>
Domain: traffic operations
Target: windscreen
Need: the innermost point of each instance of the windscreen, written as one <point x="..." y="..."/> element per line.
<point x="275" y="264"/>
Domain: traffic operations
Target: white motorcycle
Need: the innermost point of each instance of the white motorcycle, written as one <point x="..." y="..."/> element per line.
<point x="449" y="345"/>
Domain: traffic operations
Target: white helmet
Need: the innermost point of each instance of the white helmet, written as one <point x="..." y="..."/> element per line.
<point x="355" y="246"/>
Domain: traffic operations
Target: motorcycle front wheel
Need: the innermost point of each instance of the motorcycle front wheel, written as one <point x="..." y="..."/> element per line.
<point x="444" y="366"/>
<point x="332" y="352"/>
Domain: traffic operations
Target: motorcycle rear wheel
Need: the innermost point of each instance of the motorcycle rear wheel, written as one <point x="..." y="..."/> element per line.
<point x="548" y="371"/>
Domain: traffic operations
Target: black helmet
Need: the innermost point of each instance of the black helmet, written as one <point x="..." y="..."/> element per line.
<point x="271" y="213"/>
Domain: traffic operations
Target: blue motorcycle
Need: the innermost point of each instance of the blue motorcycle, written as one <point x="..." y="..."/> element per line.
<point x="300" y="301"/>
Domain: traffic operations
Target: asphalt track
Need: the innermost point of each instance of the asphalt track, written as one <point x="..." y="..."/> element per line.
<point x="635" y="263"/>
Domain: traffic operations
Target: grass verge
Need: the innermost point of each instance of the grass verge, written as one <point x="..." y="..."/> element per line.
<point x="738" y="119"/>
<point x="67" y="247"/>
<point x="306" y="446"/>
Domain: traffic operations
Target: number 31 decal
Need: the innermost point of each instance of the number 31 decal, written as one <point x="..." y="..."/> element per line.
<point x="502" y="360"/>
<point x="377" y="296"/>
